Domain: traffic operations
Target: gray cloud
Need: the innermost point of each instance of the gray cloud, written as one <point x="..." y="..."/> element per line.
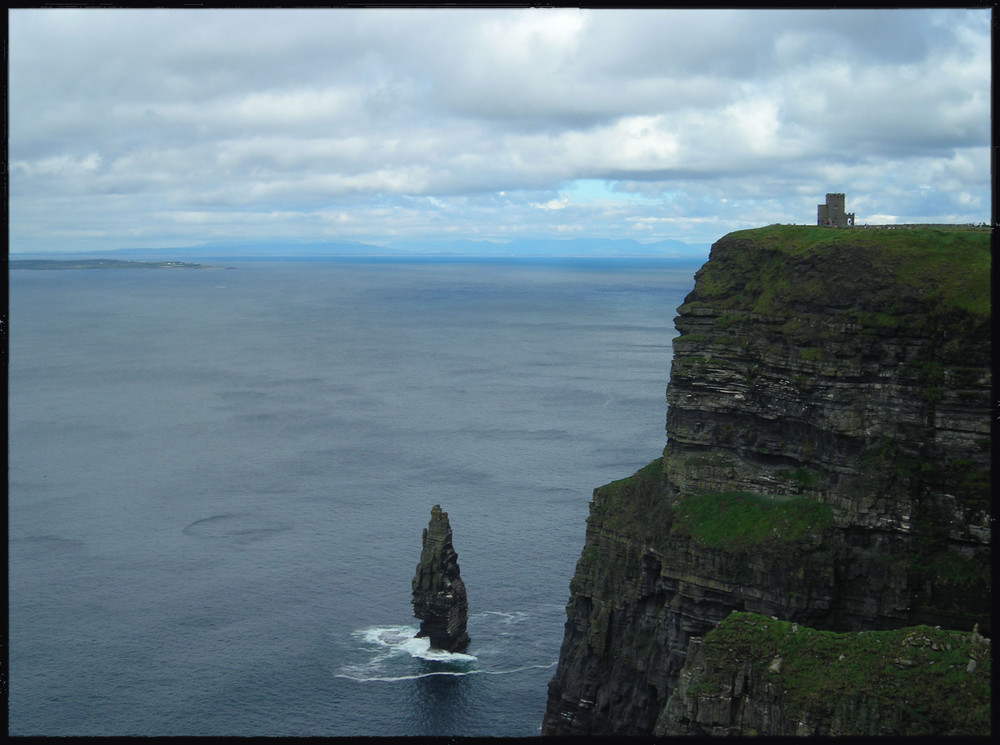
<point x="153" y="127"/>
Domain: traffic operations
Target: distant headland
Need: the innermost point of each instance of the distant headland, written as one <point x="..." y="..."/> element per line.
<point x="104" y="264"/>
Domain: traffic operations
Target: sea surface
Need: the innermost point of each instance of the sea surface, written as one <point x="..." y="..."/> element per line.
<point x="218" y="481"/>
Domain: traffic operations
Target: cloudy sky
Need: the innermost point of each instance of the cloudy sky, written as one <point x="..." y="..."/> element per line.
<point x="146" y="128"/>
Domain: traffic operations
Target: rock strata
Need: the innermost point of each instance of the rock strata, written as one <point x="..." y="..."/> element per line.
<point x="439" y="597"/>
<point x="827" y="464"/>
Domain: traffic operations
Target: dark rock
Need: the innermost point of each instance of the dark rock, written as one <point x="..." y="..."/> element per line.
<point x="439" y="598"/>
<point x="849" y="375"/>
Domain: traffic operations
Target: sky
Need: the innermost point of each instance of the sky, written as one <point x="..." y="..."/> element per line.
<point x="144" y="128"/>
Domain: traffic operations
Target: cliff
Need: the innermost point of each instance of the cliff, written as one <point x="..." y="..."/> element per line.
<point x="755" y="675"/>
<point x="439" y="597"/>
<point x="827" y="464"/>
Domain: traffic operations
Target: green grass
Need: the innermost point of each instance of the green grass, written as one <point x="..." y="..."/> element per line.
<point x="921" y="672"/>
<point x="766" y="269"/>
<point x="739" y="521"/>
<point x="735" y="521"/>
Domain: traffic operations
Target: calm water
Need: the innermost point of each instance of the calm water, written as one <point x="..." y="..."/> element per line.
<point x="218" y="482"/>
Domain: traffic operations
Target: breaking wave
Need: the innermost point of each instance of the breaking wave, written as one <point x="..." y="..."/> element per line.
<point x="394" y="653"/>
<point x="404" y="639"/>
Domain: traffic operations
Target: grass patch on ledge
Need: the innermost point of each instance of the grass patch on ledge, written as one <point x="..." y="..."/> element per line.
<point x="921" y="671"/>
<point x="738" y="521"/>
<point x="637" y="507"/>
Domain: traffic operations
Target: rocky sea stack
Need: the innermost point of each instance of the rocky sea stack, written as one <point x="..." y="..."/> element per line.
<point x="439" y="598"/>
<point x="811" y="554"/>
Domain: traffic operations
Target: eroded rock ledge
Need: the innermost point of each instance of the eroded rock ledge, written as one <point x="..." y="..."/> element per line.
<point x="757" y="675"/>
<point x="439" y="597"/>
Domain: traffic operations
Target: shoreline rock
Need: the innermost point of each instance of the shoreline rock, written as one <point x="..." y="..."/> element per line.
<point x="439" y="597"/>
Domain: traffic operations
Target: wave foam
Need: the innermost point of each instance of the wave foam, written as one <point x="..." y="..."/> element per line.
<point x="397" y="678"/>
<point x="506" y="617"/>
<point x="392" y="651"/>
<point x="404" y="639"/>
<point x="363" y="678"/>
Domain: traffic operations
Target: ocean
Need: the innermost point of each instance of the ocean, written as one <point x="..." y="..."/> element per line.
<point x="218" y="481"/>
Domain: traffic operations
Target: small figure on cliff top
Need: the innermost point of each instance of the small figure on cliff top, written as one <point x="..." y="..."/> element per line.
<point x="439" y="598"/>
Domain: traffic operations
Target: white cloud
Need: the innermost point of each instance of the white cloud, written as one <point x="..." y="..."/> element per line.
<point x="60" y="166"/>
<point x="385" y="120"/>
<point x="552" y="204"/>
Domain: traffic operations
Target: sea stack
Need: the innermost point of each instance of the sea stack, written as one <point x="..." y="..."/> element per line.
<point x="439" y="599"/>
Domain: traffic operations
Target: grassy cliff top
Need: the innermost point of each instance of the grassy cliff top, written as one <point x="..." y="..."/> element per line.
<point x="939" y="679"/>
<point x="917" y="270"/>
<point x="795" y="239"/>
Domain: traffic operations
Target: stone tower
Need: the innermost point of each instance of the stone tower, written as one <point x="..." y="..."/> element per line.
<point x="834" y="212"/>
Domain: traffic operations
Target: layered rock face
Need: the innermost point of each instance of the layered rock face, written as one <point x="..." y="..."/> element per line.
<point x="439" y="597"/>
<point x="827" y="464"/>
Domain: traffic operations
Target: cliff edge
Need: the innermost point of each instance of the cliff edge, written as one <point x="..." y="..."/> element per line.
<point x="827" y="465"/>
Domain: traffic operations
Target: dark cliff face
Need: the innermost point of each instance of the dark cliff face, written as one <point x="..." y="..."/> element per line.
<point x="827" y="464"/>
<point x="856" y="369"/>
<point x="439" y="597"/>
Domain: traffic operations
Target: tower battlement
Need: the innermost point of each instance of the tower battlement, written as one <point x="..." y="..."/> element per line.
<point x="834" y="212"/>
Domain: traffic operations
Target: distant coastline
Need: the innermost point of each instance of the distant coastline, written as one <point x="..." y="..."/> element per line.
<point x="104" y="264"/>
